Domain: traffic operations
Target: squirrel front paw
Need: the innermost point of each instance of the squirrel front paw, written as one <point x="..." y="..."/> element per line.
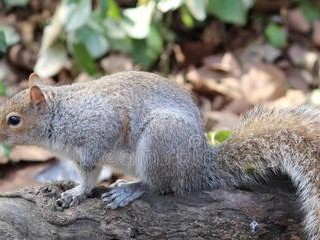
<point x="121" y="193"/>
<point x="71" y="198"/>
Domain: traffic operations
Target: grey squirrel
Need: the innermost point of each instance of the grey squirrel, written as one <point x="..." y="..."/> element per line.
<point x="150" y="128"/>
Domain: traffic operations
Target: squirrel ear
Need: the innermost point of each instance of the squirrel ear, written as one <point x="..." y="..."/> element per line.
<point x="36" y="95"/>
<point x="34" y="79"/>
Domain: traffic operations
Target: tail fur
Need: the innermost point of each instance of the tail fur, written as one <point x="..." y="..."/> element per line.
<point x="277" y="140"/>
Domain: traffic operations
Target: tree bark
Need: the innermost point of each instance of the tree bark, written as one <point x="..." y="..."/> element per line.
<point x="219" y="214"/>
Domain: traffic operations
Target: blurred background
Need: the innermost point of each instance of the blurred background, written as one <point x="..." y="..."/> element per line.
<point x="231" y="54"/>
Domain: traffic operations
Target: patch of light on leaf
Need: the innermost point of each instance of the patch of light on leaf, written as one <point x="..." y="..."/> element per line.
<point x="197" y="8"/>
<point x="218" y="137"/>
<point x="51" y="60"/>
<point x="137" y="20"/>
<point x="167" y="5"/>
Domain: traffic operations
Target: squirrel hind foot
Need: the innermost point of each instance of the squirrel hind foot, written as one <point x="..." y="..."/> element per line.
<point x="123" y="193"/>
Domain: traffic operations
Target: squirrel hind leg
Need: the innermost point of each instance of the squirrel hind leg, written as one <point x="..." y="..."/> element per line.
<point x="168" y="154"/>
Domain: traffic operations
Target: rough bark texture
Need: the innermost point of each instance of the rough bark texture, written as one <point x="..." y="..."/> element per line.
<point x="220" y="214"/>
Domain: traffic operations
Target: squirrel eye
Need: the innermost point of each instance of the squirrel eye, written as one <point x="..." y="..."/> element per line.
<point x="14" y="120"/>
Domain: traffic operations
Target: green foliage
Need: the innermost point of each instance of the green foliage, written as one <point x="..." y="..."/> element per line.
<point x="310" y="11"/>
<point x="3" y="43"/>
<point x="186" y="17"/>
<point x="146" y="51"/>
<point x="230" y="11"/>
<point x="276" y="35"/>
<point x="138" y="31"/>
<point x="218" y="137"/>
<point x="8" y="37"/>
<point x="16" y="3"/>
<point x="5" y="150"/>
<point x="3" y="89"/>
<point x="10" y="34"/>
<point x="83" y="59"/>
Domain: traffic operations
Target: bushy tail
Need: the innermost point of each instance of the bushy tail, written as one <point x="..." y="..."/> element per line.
<point x="277" y="140"/>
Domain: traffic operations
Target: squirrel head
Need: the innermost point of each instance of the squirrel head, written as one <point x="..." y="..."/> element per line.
<point x="22" y="117"/>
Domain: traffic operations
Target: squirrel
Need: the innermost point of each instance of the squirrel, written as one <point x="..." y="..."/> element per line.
<point x="150" y="127"/>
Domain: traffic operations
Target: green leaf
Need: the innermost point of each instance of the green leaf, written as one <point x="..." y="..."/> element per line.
<point x="124" y="45"/>
<point x="137" y="20"/>
<point x="3" y="89"/>
<point x="3" y="43"/>
<point x="95" y="42"/>
<point x="16" y="3"/>
<point x="114" y="29"/>
<point x="310" y="11"/>
<point x="197" y="8"/>
<point x="230" y="11"/>
<point x="218" y="137"/>
<point x="147" y="51"/>
<point x="83" y="59"/>
<point x="5" y="150"/>
<point x="222" y="135"/>
<point x="103" y="6"/>
<point x="74" y="14"/>
<point x="167" y="5"/>
<point x="186" y="18"/>
<point x="109" y="8"/>
<point x="11" y="36"/>
<point x="51" y="60"/>
<point x="276" y="35"/>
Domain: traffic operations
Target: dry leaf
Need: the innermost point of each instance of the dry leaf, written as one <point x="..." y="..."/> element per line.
<point x="258" y="52"/>
<point x="211" y="82"/>
<point x="291" y="99"/>
<point x="263" y="83"/>
<point x="297" y="53"/>
<point x="227" y="63"/>
<point x="316" y="33"/>
<point x="117" y="63"/>
<point x="215" y="120"/>
<point x="297" y="21"/>
<point x="29" y="153"/>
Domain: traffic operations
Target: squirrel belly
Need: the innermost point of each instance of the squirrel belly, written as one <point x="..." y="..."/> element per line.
<point x="277" y="140"/>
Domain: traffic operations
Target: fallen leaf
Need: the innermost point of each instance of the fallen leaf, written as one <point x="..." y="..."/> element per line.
<point x="227" y="63"/>
<point x="297" y="21"/>
<point x="297" y="53"/>
<point x="291" y="99"/>
<point x="211" y="82"/>
<point x="215" y="120"/>
<point x="263" y="83"/>
<point x="20" y="175"/>
<point x="258" y="52"/>
<point x="316" y="33"/>
<point x="297" y="80"/>
<point x="238" y="106"/>
<point x="29" y="153"/>
<point x="117" y="63"/>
